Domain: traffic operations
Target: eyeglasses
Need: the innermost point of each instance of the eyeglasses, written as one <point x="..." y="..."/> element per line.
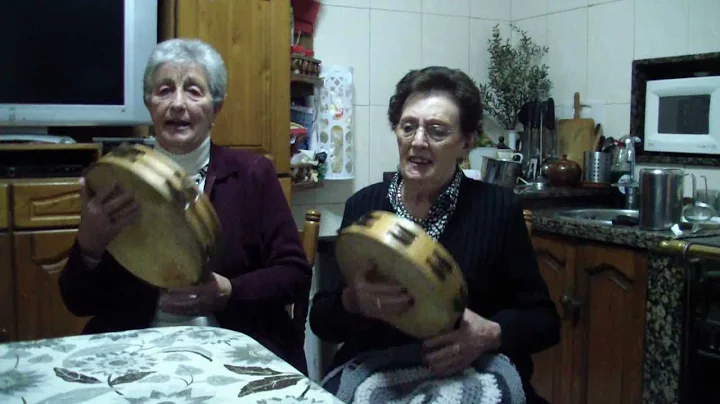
<point x="435" y="132"/>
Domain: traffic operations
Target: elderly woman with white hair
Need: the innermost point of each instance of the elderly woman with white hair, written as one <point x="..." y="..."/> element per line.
<point x="263" y="267"/>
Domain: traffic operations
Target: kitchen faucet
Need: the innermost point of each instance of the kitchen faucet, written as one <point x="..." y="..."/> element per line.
<point x="627" y="184"/>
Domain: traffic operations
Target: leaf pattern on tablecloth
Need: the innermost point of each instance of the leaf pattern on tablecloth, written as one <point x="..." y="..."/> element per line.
<point x="124" y="335"/>
<point x="219" y="380"/>
<point x="270" y="383"/>
<point x="190" y="349"/>
<point x="113" y="363"/>
<point x="252" y="370"/>
<point x="188" y="370"/>
<point x="76" y="396"/>
<point x="176" y="357"/>
<point x="15" y="381"/>
<point x="129" y="378"/>
<point x="41" y="359"/>
<point x="173" y="364"/>
<point x="251" y="355"/>
<point x="75" y="377"/>
<point x="181" y="397"/>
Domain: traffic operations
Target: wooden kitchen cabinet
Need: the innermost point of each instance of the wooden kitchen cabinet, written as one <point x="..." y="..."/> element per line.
<point x="7" y="293"/>
<point x="39" y="258"/>
<point x="556" y="258"/>
<point x="253" y="36"/>
<point x="600" y="292"/>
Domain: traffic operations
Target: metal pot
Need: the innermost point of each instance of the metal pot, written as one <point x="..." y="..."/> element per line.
<point x="661" y="197"/>
<point x="501" y="172"/>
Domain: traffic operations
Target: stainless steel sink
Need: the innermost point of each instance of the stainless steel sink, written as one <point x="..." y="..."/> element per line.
<point x="597" y="216"/>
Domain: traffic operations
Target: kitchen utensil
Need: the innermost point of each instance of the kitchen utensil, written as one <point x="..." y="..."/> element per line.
<point x="530" y="185"/>
<point x="564" y="173"/>
<point x="576" y="135"/>
<point x="549" y="118"/>
<point x="599" y="138"/>
<point x="596" y="167"/>
<point x="501" y="172"/>
<point x="661" y="194"/>
<point x="696" y="211"/>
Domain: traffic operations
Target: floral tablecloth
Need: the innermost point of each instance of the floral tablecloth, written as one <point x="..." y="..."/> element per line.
<point x="156" y="365"/>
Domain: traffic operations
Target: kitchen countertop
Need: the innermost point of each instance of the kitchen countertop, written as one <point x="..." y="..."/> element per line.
<point x="562" y="192"/>
<point x="632" y="236"/>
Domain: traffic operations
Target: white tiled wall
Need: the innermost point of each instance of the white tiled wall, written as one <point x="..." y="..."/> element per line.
<point x="593" y="43"/>
<point x="382" y="40"/>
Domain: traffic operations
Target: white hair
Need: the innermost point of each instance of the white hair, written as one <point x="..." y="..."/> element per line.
<point x="187" y="51"/>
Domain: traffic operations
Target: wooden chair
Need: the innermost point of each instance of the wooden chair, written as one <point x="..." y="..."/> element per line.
<point x="527" y="214"/>
<point x="309" y="237"/>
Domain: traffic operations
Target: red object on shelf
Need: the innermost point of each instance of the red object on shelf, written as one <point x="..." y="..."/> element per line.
<point x="305" y="13"/>
<point x="298" y="49"/>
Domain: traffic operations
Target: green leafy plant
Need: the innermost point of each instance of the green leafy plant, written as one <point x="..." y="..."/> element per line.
<point x="516" y="76"/>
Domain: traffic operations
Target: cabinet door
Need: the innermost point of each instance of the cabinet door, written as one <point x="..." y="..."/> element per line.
<point x="39" y="258"/>
<point x="611" y="284"/>
<point x="4" y="207"/>
<point x="253" y="37"/>
<point x="556" y="258"/>
<point x="7" y="295"/>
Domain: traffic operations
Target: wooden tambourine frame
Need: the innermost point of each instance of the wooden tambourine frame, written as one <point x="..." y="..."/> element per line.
<point x="171" y="242"/>
<point x="402" y="252"/>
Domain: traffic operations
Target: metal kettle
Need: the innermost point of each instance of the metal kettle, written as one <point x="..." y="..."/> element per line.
<point x="661" y="197"/>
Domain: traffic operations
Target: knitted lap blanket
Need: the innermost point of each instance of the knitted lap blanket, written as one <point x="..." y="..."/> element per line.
<point x="398" y="375"/>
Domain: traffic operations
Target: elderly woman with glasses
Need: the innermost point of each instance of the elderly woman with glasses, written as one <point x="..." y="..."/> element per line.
<point x="436" y="113"/>
<point x="263" y="266"/>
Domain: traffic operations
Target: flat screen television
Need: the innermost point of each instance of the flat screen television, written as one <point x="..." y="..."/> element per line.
<point x="74" y="62"/>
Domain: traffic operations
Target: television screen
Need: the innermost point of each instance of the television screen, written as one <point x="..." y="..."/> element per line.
<point x="62" y="52"/>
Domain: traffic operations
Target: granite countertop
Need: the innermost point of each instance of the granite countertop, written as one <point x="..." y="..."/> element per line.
<point x="561" y="192"/>
<point x="632" y="236"/>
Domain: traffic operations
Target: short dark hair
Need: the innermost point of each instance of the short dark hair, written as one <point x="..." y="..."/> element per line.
<point x="438" y="78"/>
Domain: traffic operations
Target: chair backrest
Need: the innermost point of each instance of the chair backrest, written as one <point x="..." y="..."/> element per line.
<point x="309" y="236"/>
<point x="527" y="214"/>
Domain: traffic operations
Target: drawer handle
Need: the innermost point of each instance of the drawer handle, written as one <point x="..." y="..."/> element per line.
<point x="4" y="336"/>
<point x="571" y="306"/>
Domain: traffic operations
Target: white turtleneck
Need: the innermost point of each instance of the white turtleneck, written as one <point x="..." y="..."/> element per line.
<point x="195" y="164"/>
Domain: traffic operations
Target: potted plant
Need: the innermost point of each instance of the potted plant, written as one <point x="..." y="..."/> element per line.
<point x="516" y="76"/>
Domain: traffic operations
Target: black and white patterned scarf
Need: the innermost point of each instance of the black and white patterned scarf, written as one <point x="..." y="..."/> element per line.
<point x="440" y="212"/>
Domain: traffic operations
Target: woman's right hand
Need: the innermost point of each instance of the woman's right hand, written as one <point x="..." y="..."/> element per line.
<point x="103" y="216"/>
<point x="376" y="300"/>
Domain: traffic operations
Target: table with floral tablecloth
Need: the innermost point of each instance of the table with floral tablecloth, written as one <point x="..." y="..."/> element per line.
<point x="155" y="365"/>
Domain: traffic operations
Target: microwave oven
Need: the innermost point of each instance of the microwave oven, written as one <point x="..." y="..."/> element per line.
<point x="683" y="115"/>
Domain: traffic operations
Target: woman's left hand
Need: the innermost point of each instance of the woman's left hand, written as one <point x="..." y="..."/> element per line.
<point x="456" y="350"/>
<point x="200" y="300"/>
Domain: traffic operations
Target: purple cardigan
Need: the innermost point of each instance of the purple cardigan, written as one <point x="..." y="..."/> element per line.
<point x="261" y="254"/>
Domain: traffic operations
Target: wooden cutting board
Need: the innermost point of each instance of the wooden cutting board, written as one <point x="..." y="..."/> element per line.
<point x="576" y="135"/>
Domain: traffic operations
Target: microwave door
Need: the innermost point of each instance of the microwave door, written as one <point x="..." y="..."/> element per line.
<point x="683" y="115"/>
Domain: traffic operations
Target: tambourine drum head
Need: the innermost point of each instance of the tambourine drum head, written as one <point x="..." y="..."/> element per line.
<point x="160" y="246"/>
<point x="437" y="303"/>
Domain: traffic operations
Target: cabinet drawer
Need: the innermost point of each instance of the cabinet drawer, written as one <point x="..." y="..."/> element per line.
<point x="46" y="204"/>
<point x="4" y="206"/>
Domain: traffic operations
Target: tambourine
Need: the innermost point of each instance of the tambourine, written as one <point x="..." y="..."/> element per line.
<point x="387" y="247"/>
<point x="177" y="231"/>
